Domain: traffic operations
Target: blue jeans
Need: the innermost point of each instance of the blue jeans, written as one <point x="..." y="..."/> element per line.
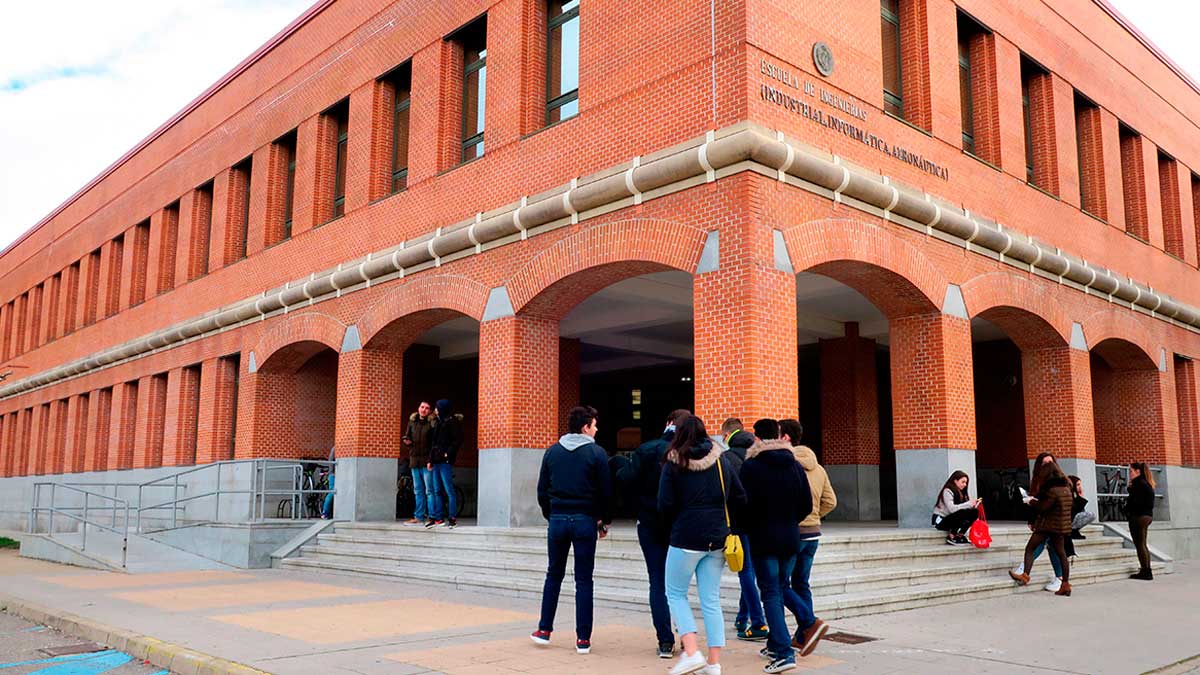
<point x="654" y="550"/>
<point x="327" y="505"/>
<point x="774" y="576"/>
<point x="443" y="481"/>
<point x="423" y="490"/>
<point x="566" y="531"/>
<point x="1054" y="561"/>
<point x="706" y="566"/>
<point x="749" y="605"/>
<point x="805" y="616"/>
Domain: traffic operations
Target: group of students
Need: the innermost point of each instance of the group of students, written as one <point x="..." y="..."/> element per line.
<point x="1058" y="513"/>
<point x="693" y="492"/>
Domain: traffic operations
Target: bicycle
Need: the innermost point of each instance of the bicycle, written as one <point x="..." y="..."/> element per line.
<point x="1110" y="500"/>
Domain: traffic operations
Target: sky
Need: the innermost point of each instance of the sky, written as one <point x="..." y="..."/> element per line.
<point x="76" y="95"/>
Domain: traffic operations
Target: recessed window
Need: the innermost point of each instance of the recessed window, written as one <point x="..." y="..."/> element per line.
<point x="283" y="192"/>
<point x="339" y="120"/>
<point x="1038" y="121"/>
<point x="239" y="229"/>
<point x="562" y="60"/>
<point x="400" y="81"/>
<point x="893" y="97"/>
<point x="473" y="40"/>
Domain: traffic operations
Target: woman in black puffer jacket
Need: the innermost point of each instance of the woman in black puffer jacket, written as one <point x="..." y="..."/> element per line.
<point x="696" y="484"/>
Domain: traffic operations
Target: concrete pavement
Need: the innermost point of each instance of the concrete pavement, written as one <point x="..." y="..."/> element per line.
<point x="295" y="623"/>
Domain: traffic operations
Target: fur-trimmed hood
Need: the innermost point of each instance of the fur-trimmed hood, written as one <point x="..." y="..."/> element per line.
<point x="700" y="457"/>
<point x="416" y="416"/>
<point x="806" y="457"/>
<point x="764" y="446"/>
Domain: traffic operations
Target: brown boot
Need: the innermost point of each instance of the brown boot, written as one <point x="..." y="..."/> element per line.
<point x="1065" y="590"/>
<point x="807" y="639"/>
<point x="1021" y="579"/>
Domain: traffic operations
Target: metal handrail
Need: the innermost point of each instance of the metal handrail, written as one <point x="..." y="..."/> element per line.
<point x="257" y="491"/>
<point x="67" y="512"/>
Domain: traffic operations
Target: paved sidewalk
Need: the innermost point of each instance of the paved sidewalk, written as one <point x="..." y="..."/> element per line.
<point x="295" y="623"/>
<point x="26" y="647"/>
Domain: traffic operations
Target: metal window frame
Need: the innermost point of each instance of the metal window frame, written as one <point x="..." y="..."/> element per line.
<point x="475" y="139"/>
<point x="553" y="104"/>
<point x="895" y="98"/>
<point x="399" y="172"/>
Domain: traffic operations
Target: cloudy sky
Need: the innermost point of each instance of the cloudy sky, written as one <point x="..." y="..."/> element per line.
<point x="75" y="95"/>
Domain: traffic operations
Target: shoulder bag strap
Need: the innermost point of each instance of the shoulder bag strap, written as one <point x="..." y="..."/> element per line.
<point x="724" y="497"/>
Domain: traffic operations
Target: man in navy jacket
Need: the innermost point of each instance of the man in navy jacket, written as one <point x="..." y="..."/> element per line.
<point x="575" y="494"/>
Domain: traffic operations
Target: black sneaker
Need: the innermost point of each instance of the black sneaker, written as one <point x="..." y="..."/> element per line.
<point x="453" y="523"/>
<point x="765" y="653"/>
<point x="434" y="523"/>
<point x="666" y="650"/>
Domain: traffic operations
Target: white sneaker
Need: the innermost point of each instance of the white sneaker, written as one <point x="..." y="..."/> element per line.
<point x="688" y="663"/>
<point x="710" y="669"/>
<point x="1053" y="585"/>
<point x="1019" y="569"/>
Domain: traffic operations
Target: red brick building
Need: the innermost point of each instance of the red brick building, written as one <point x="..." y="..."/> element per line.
<point x="943" y="235"/>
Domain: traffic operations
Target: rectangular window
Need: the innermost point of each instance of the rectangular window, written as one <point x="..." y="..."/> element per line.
<point x="239" y="229"/>
<point x="473" y="40"/>
<point x="141" y="256"/>
<point x="279" y="210"/>
<point x="338" y="117"/>
<point x="893" y="97"/>
<point x="964" y="89"/>
<point x="1090" y="155"/>
<point x="400" y="81"/>
<point x="1133" y="183"/>
<point x="562" y="60"/>
<point x="1172" y="216"/>
<point x="201" y="231"/>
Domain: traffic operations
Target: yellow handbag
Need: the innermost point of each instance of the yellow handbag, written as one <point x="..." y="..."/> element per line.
<point x="735" y="556"/>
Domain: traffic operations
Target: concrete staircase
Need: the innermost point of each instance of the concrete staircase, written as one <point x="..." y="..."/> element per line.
<point x="858" y="570"/>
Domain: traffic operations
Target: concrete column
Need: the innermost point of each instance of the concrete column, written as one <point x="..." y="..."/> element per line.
<point x="368" y="429"/>
<point x="933" y="407"/>
<point x="517" y="356"/>
<point x="850" y="424"/>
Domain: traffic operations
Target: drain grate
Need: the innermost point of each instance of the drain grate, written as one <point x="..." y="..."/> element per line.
<point x="849" y="638"/>
<point x="69" y="650"/>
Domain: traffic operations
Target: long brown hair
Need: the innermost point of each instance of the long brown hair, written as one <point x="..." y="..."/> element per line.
<point x="1144" y="470"/>
<point x="1044" y="473"/>
<point x="950" y="485"/>
<point x="689" y="432"/>
<point x="1035" y="484"/>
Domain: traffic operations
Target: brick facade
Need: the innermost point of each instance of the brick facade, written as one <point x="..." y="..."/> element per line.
<point x="161" y="239"/>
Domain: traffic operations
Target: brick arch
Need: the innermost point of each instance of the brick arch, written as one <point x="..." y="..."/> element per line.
<point x="1026" y="311"/>
<point x="562" y="276"/>
<point x="418" y="305"/>
<point x="1121" y="340"/>
<point x="895" y="276"/>
<point x="298" y="338"/>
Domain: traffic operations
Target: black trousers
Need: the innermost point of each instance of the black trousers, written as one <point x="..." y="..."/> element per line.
<point x="959" y="521"/>
<point x="1056" y="541"/>
<point x="1138" y="529"/>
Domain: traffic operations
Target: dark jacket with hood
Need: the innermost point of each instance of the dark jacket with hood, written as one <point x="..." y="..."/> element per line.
<point x="447" y="435"/>
<point x="779" y="498"/>
<point x="420" y="434"/>
<point x="1141" y="499"/>
<point x="640" y="477"/>
<point x="1053" y="507"/>
<point x="691" y="499"/>
<point x="739" y="442"/>
<point x="575" y="479"/>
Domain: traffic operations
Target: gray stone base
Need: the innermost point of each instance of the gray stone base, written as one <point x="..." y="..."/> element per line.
<point x="1086" y="470"/>
<point x="919" y="476"/>
<point x="366" y="489"/>
<point x="244" y="545"/>
<point x="857" y="489"/>
<point x="508" y="487"/>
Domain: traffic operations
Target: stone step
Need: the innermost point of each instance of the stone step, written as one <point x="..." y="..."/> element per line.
<point x="829" y="606"/>
<point x="823" y="579"/>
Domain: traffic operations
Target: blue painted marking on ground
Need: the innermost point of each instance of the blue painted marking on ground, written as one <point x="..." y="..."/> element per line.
<point x="56" y="659"/>
<point x="162" y="672"/>
<point x="35" y="629"/>
<point x="99" y="663"/>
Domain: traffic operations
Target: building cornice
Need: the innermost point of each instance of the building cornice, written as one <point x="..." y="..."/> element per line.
<point x="741" y="147"/>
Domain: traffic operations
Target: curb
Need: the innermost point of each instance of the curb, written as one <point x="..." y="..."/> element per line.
<point x="173" y="657"/>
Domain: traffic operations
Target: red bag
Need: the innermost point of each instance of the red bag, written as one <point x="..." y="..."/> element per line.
<point x="979" y="534"/>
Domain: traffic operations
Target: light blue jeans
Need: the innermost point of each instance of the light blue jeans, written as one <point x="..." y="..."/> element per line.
<point x="706" y="566"/>
<point x="327" y="505"/>
<point x="422" y="487"/>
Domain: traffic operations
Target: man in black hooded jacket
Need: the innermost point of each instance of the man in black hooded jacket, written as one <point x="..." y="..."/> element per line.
<point x="640" y="478"/>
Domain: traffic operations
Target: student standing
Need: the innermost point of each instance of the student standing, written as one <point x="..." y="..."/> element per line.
<point x="418" y="438"/>
<point x="1052" y="506"/>
<point x="1140" y="509"/>
<point x="810" y="629"/>
<point x="575" y="493"/>
<point x="778" y="500"/>
<point x="640" y="479"/>
<point x="447" y="440"/>
<point x="697" y="492"/>
<point x="749" y="624"/>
